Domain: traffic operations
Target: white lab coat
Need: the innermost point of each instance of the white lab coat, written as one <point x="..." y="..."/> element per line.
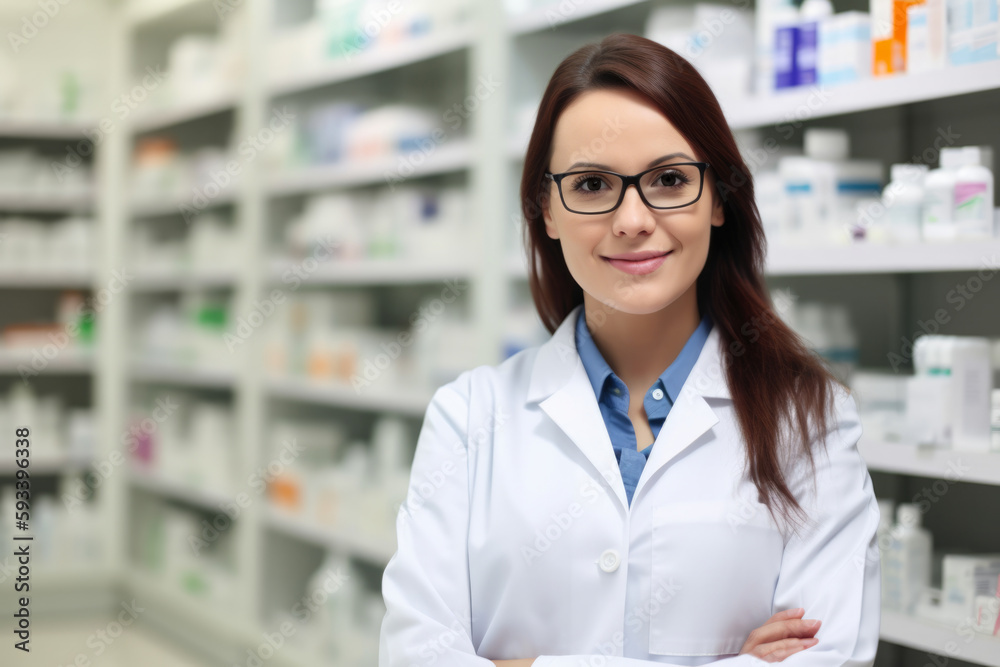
<point x="516" y="539"/>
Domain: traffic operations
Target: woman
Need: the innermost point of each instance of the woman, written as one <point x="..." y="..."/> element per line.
<point x="673" y="477"/>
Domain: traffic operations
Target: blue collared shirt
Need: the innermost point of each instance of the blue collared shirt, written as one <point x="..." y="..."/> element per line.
<point x="613" y="399"/>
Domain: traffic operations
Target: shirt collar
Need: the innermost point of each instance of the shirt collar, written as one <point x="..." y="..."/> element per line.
<point x="672" y="378"/>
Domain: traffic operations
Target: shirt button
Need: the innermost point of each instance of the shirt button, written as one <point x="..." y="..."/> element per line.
<point x="617" y="391"/>
<point x="610" y="560"/>
<point x="657" y="393"/>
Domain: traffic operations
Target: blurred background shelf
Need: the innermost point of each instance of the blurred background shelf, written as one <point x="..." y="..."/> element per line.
<point x="31" y="128"/>
<point x="342" y="395"/>
<point x="875" y="258"/>
<point x="442" y="158"/>
<point x="66" y="362"/>
<point x="557" y="14"/>
<point x="956" y="642"/>
<point x="328" y="537"/>
<point x="15" y="279"/>
<point x="191" y="494"/>
<point x="47" y="465"/>
<point x="51" y="202"/>
<point x="938" y="463"/>
<point x="194" y="376"/>
<point x="871" y="94"/>
<point x="354" y="66"/>
<point x="221" y="102"/>
<point x="375" y="271"/>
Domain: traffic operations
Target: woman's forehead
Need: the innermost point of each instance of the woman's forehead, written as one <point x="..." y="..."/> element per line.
<point x="614" y="128"/>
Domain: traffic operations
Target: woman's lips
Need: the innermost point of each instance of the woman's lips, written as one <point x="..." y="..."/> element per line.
<point x="639" y="267"/>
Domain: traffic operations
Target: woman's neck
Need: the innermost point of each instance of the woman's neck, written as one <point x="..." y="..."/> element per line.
<point x="638" y="348"/>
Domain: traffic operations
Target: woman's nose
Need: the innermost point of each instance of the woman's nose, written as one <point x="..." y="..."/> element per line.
<point x="633" y="216"/>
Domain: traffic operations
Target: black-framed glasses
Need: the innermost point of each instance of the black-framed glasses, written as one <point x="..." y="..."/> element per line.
<point x="665" y="186"/>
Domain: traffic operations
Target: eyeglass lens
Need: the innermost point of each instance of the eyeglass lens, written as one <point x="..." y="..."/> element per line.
<point x="594" y="192"/>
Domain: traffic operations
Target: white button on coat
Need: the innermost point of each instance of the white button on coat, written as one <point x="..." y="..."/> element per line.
<point x="515" y="488"/>
<point x="610" y="560"/>
<point x="657" y="394"/>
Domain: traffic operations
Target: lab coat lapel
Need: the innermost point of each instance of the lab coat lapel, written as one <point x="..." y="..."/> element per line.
<point x="560" y="384"/>
<point x="691" y="416"/>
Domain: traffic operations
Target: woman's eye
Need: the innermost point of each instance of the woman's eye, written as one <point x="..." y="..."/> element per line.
<point x="589" y="184"/>
<point x="670" y="179"/>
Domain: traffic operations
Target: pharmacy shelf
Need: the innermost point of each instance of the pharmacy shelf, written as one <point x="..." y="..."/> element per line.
<point x="447" y="157"/>
<point x="877" y="258"/>
<point x="53" y="202"/>
<point x="164" y="207"/>
<point x="174" y="604"/>
<point x="191" y="376"/>
<point x="29" y="128"/>
<point x="366" y="63"/>
<point x="66" y="362"/>
<point x="46" y="465"/>
<point x="809" y="102"/>
<point x="554" y="16"/>
<point x="342" y="395"/>
<point x="168" y="281"/>
<point x="190" y="110"/>
<point x="370" y="272"/>
<point x="33" y="278"/>
<point x="950" y="464"/>
<point x="953" y="641"/>
<point x="139" y="12"/>
<point x="347" y="542"/>
<point x="47" y="578"/>
<point x="181" y="491"/>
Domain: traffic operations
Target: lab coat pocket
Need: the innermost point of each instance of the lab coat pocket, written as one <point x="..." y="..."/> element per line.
<point x="713" y="576"/>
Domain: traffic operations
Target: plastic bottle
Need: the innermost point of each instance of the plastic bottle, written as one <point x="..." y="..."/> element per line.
<point x="886" y="511"/>
<point x="939" y="197"/>
<point x="903" y="199"/>
<point x="973" y="196"/>
<point x="785" y="25"/>
<point x="908" y="563"/>
<point x="812" y="13"/>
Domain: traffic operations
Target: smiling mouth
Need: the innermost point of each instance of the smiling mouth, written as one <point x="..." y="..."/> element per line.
<point x="638" y="266"/>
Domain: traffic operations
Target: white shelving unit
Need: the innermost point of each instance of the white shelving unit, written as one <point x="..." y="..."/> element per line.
<point x="484" y="157"/>
<point x="951" y="464"/>
<point x="941" y="639"/>
<point x="59" y="582"/>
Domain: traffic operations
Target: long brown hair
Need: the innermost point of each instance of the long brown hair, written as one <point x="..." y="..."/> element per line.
<point x="777" y="384"/>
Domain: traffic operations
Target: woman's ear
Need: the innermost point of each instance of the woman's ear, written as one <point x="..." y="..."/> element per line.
<point x="550" y="225"/>
<point x="718" y="209"/>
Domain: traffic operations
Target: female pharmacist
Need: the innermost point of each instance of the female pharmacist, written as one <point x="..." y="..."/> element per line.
<point x="673" y="477"/>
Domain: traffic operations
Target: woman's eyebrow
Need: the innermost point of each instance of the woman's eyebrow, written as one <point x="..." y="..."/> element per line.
<point x="653" y="163"/>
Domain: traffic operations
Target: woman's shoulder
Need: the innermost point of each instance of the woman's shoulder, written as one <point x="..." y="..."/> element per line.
<point x="509" y="377"/>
